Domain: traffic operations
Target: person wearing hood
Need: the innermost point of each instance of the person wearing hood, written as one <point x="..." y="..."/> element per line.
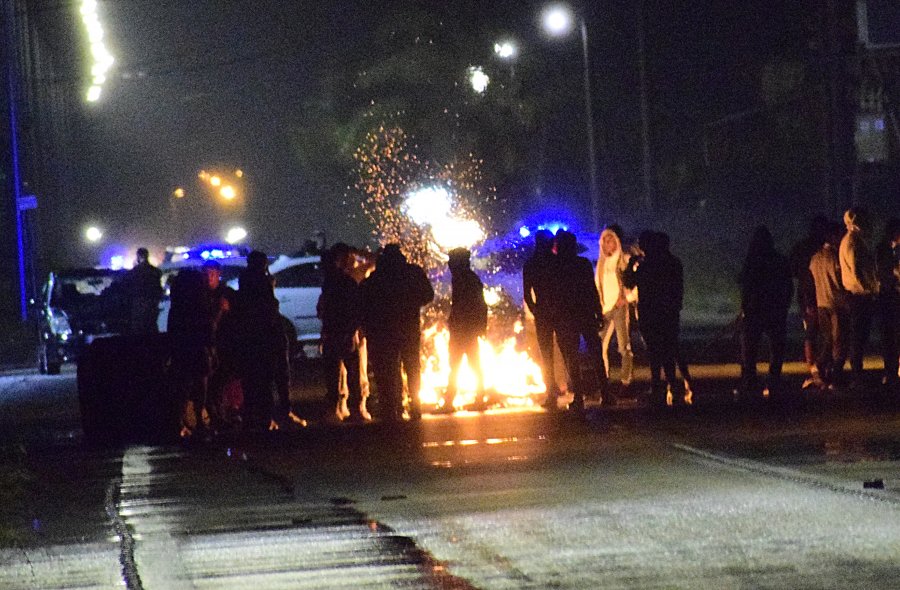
<point x="766" y="290"/>
<point x="578" y="316"/>
<point x="860" y="279"/>
<point x="468" y="322"/>
<point x="613" y="301"/>
<point x="658" y="276"/>
<point x="392" y="297"/>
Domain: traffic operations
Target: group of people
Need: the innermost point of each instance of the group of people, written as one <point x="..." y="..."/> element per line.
<point x="574" y="303"/>
<point x="370" y="312"/>
<point x="846" y="279"/>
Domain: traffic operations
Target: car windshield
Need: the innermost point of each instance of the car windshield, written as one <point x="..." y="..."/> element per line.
<point x="76" y="290"/>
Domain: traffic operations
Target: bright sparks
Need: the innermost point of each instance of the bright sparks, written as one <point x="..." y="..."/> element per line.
<point x="432" y="207"/>
<point x="102" y="59"/>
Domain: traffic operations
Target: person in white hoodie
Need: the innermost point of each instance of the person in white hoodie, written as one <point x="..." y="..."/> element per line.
<point x="858" y="274"/>
<point x="613" y="299"/>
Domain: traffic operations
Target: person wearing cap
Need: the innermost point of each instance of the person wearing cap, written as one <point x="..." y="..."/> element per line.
<point x="467" y="323"/>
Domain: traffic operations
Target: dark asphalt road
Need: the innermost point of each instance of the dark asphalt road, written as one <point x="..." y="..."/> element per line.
<point x="726" y="493"/>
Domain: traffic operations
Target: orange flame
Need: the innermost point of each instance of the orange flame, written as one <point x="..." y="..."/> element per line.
<point x="508" y="372"/>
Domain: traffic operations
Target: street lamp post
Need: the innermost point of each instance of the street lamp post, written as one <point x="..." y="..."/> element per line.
<point x="558" y="20"/>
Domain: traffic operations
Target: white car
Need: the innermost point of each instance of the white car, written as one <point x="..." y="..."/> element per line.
<point x="298" y="284"/>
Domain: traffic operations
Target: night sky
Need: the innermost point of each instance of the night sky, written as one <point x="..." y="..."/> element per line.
<point x="205" y="84"/>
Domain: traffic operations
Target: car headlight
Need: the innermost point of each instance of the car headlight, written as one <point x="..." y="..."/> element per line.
<point x="59" y="324"/>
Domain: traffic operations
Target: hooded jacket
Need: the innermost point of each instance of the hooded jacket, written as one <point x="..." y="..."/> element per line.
<point x="616" y="264"/>
<point x="857" y="259"/>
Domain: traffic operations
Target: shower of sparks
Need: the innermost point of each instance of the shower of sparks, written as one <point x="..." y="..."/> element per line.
<point x="428" y="209"/>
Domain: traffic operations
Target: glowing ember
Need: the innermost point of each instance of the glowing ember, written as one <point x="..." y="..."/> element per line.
<point x="508" y="373"/>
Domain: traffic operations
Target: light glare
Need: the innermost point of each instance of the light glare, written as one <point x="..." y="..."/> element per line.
<point x="235" y="235"/>
<point x="505" y="49"/>
<point x="93" y="234"/>
<point x="228" y="193"/>
<point x="558" y="19"/>
<point x="478" y="79"/>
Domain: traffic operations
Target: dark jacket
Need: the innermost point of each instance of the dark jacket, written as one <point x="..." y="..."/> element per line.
<point x="258" y="323"/>
<point x="391" y="299"/>
<point x="468" y="311"/>
<point x="144" y="281"/>
<point x="538" y="280"/>
<point x="659" y="278"/>
<point x="340" y="309"/>
<point x="194" y="309"/>
<point x="575" y="297"/>
<point x="766" y="283"/>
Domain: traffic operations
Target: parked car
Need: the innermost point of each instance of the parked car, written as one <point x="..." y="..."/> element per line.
<point x="75" y="307"/>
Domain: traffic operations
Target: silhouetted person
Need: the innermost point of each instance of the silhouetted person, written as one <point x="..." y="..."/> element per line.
<point x="194" y="315"/>
<point x="392" y="298"/>
<point x="578" y="316"/>
<point x="340" y="309"/>
<point x="766" y="289"/>
<point x="659" y="278"/>
<point x="143" y="288"/>
<point x="888" y="262"/>
<point x="468" y="322"/>
<point x="261" y="341"/>
<point x="538" y="277"/>
<point x="801" y="255"/>
<point x="831" y="307"/>
<point x="860" y="279"/>
<point x="224" y="366"/>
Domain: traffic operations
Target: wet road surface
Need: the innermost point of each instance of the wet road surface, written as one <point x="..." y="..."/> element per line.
<point x="718" y="495"/>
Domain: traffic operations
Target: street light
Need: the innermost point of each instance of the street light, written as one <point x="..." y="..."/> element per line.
<point x="235" y="235"/>
<point x="506" y="49"/>
<point x="93" y="234"/>
<point x="558" y="21"/>
<point x="478" y="79"/>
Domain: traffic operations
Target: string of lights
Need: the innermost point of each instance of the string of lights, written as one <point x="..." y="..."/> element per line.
<point x="102" y="58"/>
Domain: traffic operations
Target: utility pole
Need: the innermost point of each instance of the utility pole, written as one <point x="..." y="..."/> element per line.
<point x="12" y="183"/>
<point x="645" y="114"/>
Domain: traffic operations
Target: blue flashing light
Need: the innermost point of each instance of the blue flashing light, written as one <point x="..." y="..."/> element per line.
<point x="205" y="255"/>
<point x="524" y="231"/>
<point x="554" y="226"/>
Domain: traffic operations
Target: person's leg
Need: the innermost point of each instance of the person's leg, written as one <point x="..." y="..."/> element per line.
<point x="568" y="338"/>
<point x="473" y="357"/>
<point x="331" y="368"/>
<point x="623" y="336"/>
<point x="354" y="388"/>
<point x="824" y="363"/>
<point x="750" y="335"/>
<point x="411" y="357"/>
<point x="609" y="328"/>
<point x="543" y="328"/>
<point x="889" y="311"/>
<point x="385" y="360"/>
<point x="456" y="348"/>
<point x="595" y="354"/>
<point x="777" y="331"/>
<point x="861" y="320"/>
